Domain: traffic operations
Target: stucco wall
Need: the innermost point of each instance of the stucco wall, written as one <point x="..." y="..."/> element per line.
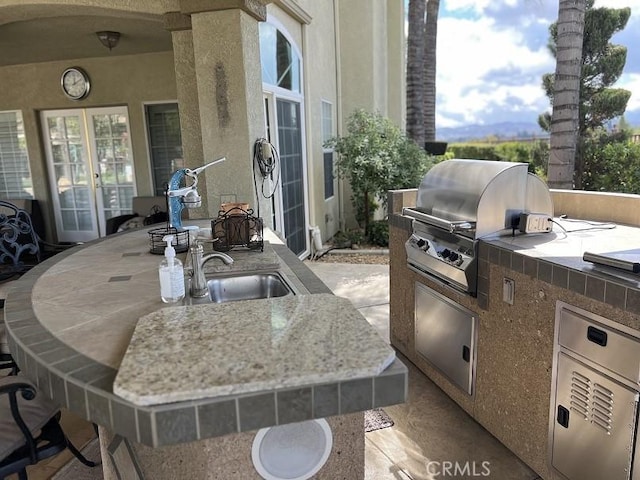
<point x="371" y="77"/>
<point x="598" y="206"/>
<point x="119" y="80"/>
<point x="396" y="43"/>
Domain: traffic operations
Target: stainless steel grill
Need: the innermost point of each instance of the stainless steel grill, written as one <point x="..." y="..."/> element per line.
<point x="461" y="201"/>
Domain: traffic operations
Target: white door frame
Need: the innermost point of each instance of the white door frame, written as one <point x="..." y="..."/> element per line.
<point x="272" y="95"/>
<point x="94" y="181"/>
<point x="271" y="135"/>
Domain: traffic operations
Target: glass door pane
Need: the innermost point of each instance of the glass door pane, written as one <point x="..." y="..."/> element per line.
<point x="271" y="135"/>
<point x="292" y="174"/>
<point x="165" y="142"/>
<point x="69" y="175"/>
<point x="112" y="161"/>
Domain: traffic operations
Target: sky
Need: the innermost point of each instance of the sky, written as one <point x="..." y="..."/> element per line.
<point x="492" y="54"/>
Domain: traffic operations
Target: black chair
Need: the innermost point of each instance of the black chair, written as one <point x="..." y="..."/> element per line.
<point x="30" y="428"/>
<point x="19" y="243"/>
<point x="6" y="361"/>
<point x="20" y="249"/>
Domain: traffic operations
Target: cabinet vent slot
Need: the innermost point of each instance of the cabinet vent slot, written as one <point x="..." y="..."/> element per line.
<point x="602" y="394"/>
<point x="580" y="391"/>
<point x="578" y="377"/>
<point x="579" y="406"/>
<point x="602" y="408"/>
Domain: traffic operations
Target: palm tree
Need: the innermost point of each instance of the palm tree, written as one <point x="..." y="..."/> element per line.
<point x="415" y="59"/>
<point x="429" y="95"/>
<point x="566" y="94"/>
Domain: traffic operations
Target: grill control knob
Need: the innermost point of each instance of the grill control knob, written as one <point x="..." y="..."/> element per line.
<point x="454" y="256"/>
<point x="445" y="253"/>
<point x="423" y="244"/>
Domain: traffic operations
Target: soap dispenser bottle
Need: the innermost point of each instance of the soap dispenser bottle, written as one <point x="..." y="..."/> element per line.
<point x="171" y="274"/>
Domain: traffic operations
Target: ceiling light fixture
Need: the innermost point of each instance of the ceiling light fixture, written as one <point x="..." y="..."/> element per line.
<point x="109" y="39"/>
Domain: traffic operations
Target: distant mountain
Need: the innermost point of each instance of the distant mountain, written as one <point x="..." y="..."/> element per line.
<point x="504" y="130"/>
<point x="510" y="130"/>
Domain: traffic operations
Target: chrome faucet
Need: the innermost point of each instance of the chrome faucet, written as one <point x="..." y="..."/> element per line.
<point x="198" y="282"/>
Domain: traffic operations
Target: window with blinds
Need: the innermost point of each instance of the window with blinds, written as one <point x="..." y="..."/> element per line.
<point x="165" y="143"/>
<point x="15" y="173"/>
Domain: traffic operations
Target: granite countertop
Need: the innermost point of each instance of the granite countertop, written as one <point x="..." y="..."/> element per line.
<point x="71" y="319"/>
<point x="284" y="342"/>
<point x="243" y="260"/>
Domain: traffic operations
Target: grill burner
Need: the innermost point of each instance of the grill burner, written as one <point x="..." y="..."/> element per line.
<point x="461" y="201"/>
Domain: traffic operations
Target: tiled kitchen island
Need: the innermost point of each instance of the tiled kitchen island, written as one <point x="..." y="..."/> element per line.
<point x="70" y="321"/>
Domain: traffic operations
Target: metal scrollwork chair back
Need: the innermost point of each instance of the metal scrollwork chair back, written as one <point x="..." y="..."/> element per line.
<point x="19" y="245"/>
<point x="19" y="251"/>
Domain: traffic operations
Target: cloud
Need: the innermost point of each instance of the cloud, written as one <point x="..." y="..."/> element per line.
<point x="480" y="65"/>
<point x="492" y="55"/>
<point x="631" y="82"/>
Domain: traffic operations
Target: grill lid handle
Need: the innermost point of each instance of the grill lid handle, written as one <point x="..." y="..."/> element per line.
<point x="452" y="227"/>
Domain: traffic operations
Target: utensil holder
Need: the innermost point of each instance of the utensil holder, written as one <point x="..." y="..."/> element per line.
<point x="236" y="227"/>
<point x="157" y="244"/>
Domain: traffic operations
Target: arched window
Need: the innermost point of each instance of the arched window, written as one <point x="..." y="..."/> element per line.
<point x="284" y="128"/>
<point x="280" y="62"/>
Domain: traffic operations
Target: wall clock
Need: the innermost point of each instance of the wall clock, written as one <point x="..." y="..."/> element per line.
<point x="75" y="83"/>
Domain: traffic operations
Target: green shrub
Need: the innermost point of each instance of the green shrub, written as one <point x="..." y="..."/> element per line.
<point x="477" y="151"/>
<point x="536" y="153"/>
<point x="376" y="156"/>
<point x="611" y="165"/>
<point x="514" y="152"/>
<point x="361" y="212"/>
<point x="347" y="239"/>
<point x="379" y="233"/>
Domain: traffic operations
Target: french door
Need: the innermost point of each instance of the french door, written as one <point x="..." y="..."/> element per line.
<point x="284" y="126"/>
<point x="90" y="168"/>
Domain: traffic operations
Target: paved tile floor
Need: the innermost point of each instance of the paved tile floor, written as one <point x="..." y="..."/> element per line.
<point x="431" y="433"/>
<point x="430" y="429"/>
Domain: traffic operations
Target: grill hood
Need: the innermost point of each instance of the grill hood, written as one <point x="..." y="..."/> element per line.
<point x="486" y="194"/>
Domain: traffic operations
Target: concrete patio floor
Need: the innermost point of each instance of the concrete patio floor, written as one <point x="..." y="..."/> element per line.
<point x="432" y="435"/>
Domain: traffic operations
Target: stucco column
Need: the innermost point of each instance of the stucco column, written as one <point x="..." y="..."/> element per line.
<point x="187" y="88"/>
<point x="229" y="86"/>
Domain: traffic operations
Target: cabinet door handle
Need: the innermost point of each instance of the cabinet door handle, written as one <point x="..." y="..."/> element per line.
<point x="597" y="336"/>
<point x="466" y="354"/>
<point x="563" y="416"/>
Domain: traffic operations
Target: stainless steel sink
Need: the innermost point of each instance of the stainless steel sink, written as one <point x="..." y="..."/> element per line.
<point x="247" y="286"/>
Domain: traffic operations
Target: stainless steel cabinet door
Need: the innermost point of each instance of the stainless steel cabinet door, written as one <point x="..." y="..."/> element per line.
<point x="594" y="424"/>
<point x="445" y="334"/>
